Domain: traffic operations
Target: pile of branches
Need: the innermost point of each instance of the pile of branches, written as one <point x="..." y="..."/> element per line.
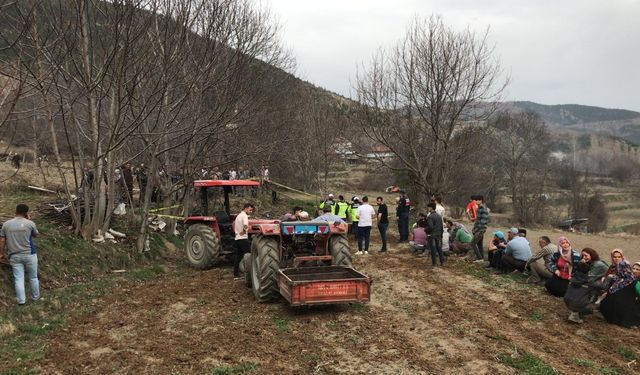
<point x="59" y="211"/>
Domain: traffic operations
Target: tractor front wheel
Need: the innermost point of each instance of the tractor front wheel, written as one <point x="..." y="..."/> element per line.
<point x="340" y="251"/>
<point x="264" y="268"/>
<point x="202" y="246"/>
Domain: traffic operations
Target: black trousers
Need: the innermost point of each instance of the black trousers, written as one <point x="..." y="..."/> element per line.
<point x="403" y="226"/>
<point x="242" y="247"/>
<point x="509" y="264"/>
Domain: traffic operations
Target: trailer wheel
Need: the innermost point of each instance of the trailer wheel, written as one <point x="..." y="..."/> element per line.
<point x="340" y="251"/>
<point x="246" y="264"/>
<point x="264" y="268"/>
<point x="202" y="246"/>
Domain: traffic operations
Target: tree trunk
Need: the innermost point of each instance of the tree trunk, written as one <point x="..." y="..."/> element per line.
<point x="144" y="222"/>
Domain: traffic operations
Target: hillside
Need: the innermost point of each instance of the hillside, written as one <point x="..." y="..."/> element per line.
<point x="618" y="123"/>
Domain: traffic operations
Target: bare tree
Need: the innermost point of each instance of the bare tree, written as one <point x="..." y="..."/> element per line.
<point x="422" y="98"/>
<point x="520" y="145"/>
<point x="159" y="81"/>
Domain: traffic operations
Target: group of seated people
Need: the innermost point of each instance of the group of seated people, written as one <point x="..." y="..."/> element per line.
<point x="585" y="281"/>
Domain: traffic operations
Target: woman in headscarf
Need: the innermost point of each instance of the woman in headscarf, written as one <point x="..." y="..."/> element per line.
<point x="620" y="271"/>
<point x="561" y="264"/>
<point x="621" y="306"/>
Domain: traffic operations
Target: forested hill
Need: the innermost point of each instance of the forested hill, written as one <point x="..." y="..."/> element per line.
<point x="571" y="114"/>
<point x="618" y="123"/>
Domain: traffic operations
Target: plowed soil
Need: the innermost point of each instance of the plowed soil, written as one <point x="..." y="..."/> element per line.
<point x="421" y="320"/>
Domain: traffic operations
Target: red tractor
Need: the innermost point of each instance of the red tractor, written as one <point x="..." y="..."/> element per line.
<point x="291" y="246"/>
<point x="210" y="236"/>
<point x="307" y="262"/>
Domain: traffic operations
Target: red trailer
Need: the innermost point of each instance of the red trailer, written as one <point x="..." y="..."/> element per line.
<point x="308" y="263"/>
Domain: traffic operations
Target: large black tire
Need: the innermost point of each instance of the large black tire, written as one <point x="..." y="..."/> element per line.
<point x="264" y="268"/>
<point x="246" y="265"/>
<point x="340" y="251"/>
<point x="202" y="246"/>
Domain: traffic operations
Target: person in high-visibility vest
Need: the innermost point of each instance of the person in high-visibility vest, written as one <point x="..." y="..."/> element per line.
<point x="327" y="202"/>
<point x="341" y="208"/>
<point x="355" y="203"/>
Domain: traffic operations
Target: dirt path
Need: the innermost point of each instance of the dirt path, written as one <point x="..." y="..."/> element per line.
<point x="451" y="320"/>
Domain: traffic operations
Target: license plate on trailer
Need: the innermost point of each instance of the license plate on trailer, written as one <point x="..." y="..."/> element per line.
<point x="305" y="229"/>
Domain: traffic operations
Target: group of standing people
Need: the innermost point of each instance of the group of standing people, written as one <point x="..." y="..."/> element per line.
<point x="124" y="177"/>
<point x="360" y="215"/>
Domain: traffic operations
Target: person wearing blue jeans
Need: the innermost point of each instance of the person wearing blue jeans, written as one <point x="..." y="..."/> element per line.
<point x="434" y="228"/>
<point x="364" y="235"/>
<point x="16" y="237"/>
<point x="365" y="214"/>
<point x="435" y="244"/>
<point x="21" y="263"/>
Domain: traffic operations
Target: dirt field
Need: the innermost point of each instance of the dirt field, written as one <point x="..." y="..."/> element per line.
<point x="452" y="320"/>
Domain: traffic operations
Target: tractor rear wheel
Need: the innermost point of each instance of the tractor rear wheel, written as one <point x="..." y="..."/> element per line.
<point x="246" y="264"/>
<point x="202" y="246"/>
<point x="340" y="251"/>
<point x="264" y="268"/>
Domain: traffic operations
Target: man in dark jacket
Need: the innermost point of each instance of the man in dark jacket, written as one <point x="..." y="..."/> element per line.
<point x="434" y="229"/>
<point x="402" y="213"/>
<point x="142" y="182"/>
<point x="127" y="179"/>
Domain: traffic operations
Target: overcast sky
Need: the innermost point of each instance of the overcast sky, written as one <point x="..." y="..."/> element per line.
<point x="556" y="51"/>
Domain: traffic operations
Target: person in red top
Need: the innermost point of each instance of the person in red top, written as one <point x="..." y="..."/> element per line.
<point x="561" y="264"/>
<point x="472" y="208"/>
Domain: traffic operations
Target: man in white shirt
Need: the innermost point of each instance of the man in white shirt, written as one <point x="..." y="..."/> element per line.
<point x="437" y="199"/>
<point x="241" y="228"/>
<point x="365" y="214"/>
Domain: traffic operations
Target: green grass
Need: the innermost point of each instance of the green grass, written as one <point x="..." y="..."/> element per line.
<point x="177" y="241"/>
<point x="19" y="371"/>
<point x="147" y="273"/>
<point x="35" y="320"/>
<point x="78" y="269"/>
<point x="239" y="369"/>
<point x="622" y="208"/>
<point x="200" y="301"/>
<point x="628" y="353"/>
<point x="604" y="370"/>
<point x="485" y="276"/>
<point x="527" y="363"/>
<point x="307" y="205"/>
<point x="12" y="195"/>
<point x="537" y="316"/>
<point x="500" y="281"/>
<point x="586" y="363"/>
<point x="282" y="324"/>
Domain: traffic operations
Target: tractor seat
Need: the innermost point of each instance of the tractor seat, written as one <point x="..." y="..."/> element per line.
<point x="222" y="217"/>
